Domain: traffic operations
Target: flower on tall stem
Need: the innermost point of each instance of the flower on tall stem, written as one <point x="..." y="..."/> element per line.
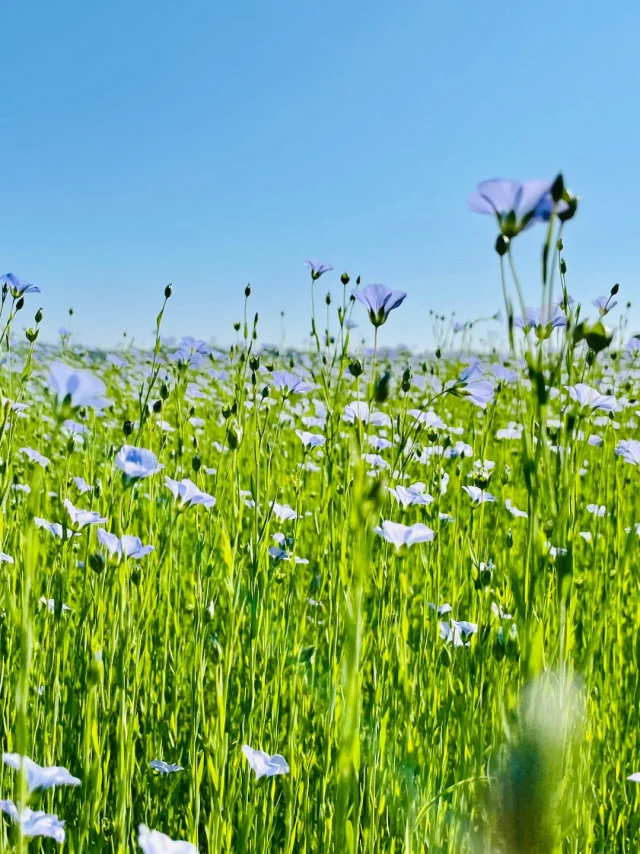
<point x="317" y="268"/>
<point x="74" y="388"/>
<point x="264" y="765"/>
<point x="188" y="493"/>
<point x="18" y="289"/>
<point x="380" y="301"/>
<point x="136" y="463"/>
<point x="516" y="205"/>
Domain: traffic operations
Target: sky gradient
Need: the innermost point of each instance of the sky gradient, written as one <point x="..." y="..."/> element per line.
<point x="214" y="144"/>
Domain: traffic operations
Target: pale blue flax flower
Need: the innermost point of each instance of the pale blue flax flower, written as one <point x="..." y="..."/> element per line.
<point x="264" y="765"/>
<point x="380" y="301"/>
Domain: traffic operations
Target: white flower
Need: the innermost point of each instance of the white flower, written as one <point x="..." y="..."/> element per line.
<point x="378" y="442"/>
<point x="428" y="419"/>
<point x="75" y="387"/>
<point x="38" y="776"/>
<point x="74" y="428"/>
<point x="188" y="493"/>
<point x="441" y="609"/>
<point x="520" y="514"/>
<point x="263" y="764"/>
<point x="589" y="398"/>
<point x="457" y="632"/>
<point x="404" y="535"/>
<point x="54" y="528"/>
<point x="81" y="485"/>
<point x="310" y="440"/>
<point x="283" y="512"/>
<point x="511" y="431"/>
<point x="154" y="842"/>
<point x="499" y="612"/>
<point x="408" y="495"/>
<point x="279" y="554"/>
<point x="358" y="410"/>
<point x="634" y="778"/>
<point x="629" y="450"/>
<point x="163" y="767"/>
<point x="597" y="509"/>
<point x="290" y="383"/>
<point x="375" y="461"/>
<point x="5" y="558"/>
<point x="137" y="463"/>
<point x="35" y="457"/>
<point x="477" y="495"/>
<point x="460" y="449"/>
<point x="34" y="822"/>
<point x="127" y="545"/>
<point x="51" y="604"/>
<point x="82" y="518"/>
<point x="554" y="551"/>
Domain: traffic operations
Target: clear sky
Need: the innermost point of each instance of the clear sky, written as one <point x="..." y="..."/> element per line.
<point x="210" y="144"/>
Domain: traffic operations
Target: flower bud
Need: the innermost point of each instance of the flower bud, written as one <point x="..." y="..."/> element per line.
<point x="95" y="671"/>
<point x="383" y="387"/>
<point x="39" y="315"/>
<point x="20" y="304"/>
<point x="157" y="406"/>
<point x="615" y="289"/>
<point x="254" y="362"/>
<point x="164" y="391"/>
<point x="563" y="266"/>
<point x="168" y="291"/>
<point x="32" y="335"/>
<point x="557" y="188"/>
<point x="127" y="428"/>
<point x="247" y="291"/>
<point x="236" y="326"/>
<point x="572" y="206"/>
<point x="344" y="278"/>
<point x="356" y="368"/>
<point x="234" y="437"/>
<point x="502" y="244"/>
<point x="196" y="463"/>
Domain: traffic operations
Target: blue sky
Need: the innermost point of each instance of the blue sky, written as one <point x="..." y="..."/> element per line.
<point x="215" y="144"/>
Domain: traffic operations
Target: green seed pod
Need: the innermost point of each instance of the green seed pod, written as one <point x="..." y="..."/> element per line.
<point x="97" y="562"/>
